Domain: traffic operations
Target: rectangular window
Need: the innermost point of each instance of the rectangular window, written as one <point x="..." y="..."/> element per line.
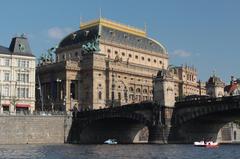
<point x="26" y="93"/>
<point x="23" y="77"/>
<point x="6" y="76"/>
<point x="6" y="62"/>
<point x="27" y="78"/>
<point x="22" y="92"/>
<point x="18" y="77"/>
<point x="23" y="63"/>
<point x="5" y="91"/>
<point x="27" y="64"/>
<point x="18" y="92"/>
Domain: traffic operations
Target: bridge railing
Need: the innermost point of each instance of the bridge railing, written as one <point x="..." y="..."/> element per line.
<point x="203" y="100"/>
<point x="129" y="107"/>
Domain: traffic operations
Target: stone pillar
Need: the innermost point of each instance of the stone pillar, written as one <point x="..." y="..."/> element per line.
<point x="164" y="89"/>
<point x="163" y="95"/>
<point x="157" y="134"/>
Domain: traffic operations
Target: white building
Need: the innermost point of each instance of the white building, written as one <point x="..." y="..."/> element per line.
<point x="17" y="76"/>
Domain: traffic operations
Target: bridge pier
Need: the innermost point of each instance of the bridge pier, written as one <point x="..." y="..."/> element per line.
<point x="158" y="134"/>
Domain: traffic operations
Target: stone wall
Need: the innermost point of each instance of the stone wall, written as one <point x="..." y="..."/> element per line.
<point x="34" y="129"/>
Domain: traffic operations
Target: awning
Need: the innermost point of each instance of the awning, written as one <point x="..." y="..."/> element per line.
<point x="23" y="105"/>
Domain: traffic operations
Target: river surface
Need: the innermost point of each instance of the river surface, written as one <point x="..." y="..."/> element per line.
<point x="138" y="151"/>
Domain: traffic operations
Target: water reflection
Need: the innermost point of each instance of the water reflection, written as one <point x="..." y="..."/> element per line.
<point x="117" y="152"/>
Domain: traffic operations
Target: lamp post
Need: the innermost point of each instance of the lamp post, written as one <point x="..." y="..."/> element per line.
<point x="71" y="102"/>
<point x="40" y="90"/>
<point x="14" y="99"/>
<point x="59" y="81"/>
<point x="64" y="103"/>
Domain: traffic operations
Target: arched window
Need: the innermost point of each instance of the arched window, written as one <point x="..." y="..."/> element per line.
<point x="100" y="95"/>
<point x="138" y="90"/>
<point x="119" y="95"/>
<point x="131" y="89"/>
<point x="145" y="91"/>
<point x="151" y="91"/>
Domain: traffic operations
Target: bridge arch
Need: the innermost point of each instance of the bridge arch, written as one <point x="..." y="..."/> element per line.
<point x="204" y="120"/>
<point x="123" y="126"/>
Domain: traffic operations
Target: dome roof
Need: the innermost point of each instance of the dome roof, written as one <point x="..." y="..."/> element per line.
<point x="113" y="34"/>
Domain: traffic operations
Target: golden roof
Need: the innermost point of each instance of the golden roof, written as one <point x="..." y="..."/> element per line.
<point x="113" y="25"/>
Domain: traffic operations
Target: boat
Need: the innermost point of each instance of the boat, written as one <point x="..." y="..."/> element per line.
<point x="111" y="142"/>
<point x="208" y="144"/>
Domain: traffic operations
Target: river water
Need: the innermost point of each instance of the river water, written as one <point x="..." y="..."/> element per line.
<point x="137" y="151"/>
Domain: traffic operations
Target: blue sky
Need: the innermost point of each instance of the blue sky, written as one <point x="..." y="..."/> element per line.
<point x="202" y="33"/>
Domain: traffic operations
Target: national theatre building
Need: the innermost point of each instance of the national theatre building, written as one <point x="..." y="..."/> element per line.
<point x="106" y="64"/>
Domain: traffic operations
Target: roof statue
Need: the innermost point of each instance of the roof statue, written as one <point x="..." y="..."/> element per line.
<point x="47" y="57"/>
<point x="91" y="46"/>
<point x="117" y="59"/>
<point x="165" y="73"/>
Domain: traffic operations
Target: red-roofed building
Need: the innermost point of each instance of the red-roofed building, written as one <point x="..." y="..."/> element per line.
<point x="233" y="88"/>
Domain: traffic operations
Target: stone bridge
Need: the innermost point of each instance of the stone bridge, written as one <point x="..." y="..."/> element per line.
<point x="202" y="118"/>
<point x="122" y="123"/>
<point x="188" y="121"/>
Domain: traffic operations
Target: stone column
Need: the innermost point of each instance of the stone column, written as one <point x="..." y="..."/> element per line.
<point x="157" y="134"/>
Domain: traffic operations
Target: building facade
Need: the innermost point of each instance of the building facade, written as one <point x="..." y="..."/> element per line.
<point x="186" y="81"/>
<point x="215" y="87"/>
<point x="106" y="64"/>
<point x="17" y="76"/>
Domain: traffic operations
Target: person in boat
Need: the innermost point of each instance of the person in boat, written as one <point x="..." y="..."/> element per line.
<point x="204" y="141"/>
